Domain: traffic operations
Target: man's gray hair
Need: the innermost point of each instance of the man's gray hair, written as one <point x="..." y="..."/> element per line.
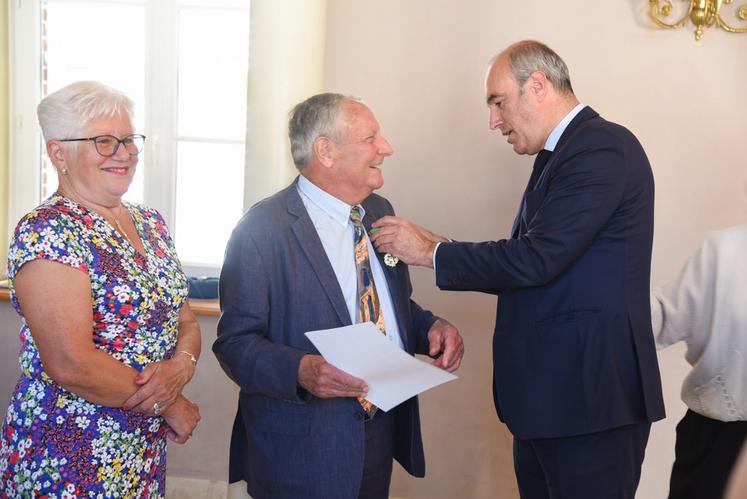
<point x="528" y="56"/>
<point x="317" y="116"/>
<point x="66" y="113"/>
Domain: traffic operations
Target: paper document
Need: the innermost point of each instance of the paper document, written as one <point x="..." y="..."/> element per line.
<point x="392" y="374"/>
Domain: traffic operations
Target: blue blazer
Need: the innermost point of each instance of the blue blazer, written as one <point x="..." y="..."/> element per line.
<point x="573" y="349"/>
<point x="277" y="284"/>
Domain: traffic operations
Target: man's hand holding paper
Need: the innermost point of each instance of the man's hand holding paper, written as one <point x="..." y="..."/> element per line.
<point x="392" y="375"/>
<point x="326" y="381"/>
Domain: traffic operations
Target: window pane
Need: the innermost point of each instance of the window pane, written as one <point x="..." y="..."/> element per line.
<point x="209" y="200"/>
<point x="95" y="41"/>
<point x="213" y="62"/>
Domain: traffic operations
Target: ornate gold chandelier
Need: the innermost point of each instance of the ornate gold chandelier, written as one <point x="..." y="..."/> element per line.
<point x="702" y="13"/>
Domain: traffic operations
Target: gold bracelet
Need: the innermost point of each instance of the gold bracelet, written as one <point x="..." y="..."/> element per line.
<point x="190" y="355"/>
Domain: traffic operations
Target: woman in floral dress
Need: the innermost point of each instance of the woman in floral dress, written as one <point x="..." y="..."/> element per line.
<point x="107" y="337"/>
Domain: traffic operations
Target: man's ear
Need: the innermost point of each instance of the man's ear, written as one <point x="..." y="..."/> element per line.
<point x="538" y="85"/>
<point x="56" y="154"/>
<point x="325" y="150"/>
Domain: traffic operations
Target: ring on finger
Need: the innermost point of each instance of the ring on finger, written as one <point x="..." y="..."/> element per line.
<point x="156" y="408"/>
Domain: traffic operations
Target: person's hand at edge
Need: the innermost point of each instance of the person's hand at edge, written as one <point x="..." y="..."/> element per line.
<point x="326" y="381"/>
<point x="446" y="345"/>
<point x="411" y="243"/>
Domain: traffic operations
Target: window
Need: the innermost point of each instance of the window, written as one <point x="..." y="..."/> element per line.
<point x="184" y="63"/>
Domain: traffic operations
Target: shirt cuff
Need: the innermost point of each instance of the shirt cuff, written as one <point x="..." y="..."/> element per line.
<point x="435" y="250"/>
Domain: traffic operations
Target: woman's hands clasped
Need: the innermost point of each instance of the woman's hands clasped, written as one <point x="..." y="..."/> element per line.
<point x="182" y="417"/>
<point x="161" y="385"/>
<point x="160" y="394"/>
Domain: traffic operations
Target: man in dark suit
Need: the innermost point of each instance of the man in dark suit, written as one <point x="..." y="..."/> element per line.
<point x="301" y="430"/>
<point x="575" y="370"/>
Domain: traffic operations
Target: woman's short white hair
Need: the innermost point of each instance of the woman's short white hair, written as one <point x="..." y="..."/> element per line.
<point x="66" y="113"/>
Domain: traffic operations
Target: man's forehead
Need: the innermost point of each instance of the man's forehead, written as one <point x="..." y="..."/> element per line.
<point x="500" y="77"/>
<point x="353" y="109"/>
<point x="361" y="117"/>
<point x="361" y="123"/>
<point x="500" y="69"/>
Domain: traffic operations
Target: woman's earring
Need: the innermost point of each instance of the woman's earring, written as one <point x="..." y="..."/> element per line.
<point x="64" y="171"/>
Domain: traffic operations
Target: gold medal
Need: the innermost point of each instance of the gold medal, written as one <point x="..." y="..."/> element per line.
<point x="390" y="260"/>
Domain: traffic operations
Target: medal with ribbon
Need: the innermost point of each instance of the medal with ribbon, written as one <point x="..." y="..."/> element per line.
<point x="389" y="259"/>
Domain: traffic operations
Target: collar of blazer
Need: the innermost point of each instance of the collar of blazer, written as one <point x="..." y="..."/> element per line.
<point x="574" y="126"/>
<point x="577" y="125"/>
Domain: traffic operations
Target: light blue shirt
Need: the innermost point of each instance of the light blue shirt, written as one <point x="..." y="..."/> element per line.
<point x="554" y="137"/>
<point x="550" y="144"/>
<point x="331" y="219"/>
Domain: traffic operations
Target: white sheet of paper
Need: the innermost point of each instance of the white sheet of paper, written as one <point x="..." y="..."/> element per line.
<point x="392" y="374"/>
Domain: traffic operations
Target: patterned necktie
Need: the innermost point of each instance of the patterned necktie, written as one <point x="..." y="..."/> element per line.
<point x="368" y="301"/>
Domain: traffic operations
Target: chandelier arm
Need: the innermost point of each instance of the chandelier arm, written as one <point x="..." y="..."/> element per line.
<point x="742" y="13"/>
<point x="655" y="11"/>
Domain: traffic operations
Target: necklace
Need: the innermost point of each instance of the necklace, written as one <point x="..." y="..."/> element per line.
<point x="119" y="226"/>
<point x="114" y="215"/>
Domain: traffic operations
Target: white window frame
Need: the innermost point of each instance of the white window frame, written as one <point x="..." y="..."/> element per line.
<point x="23" y="178"/>
<point x="160" y="80"/>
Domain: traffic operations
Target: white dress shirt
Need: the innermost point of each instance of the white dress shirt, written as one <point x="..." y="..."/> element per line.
<point x="706" y="307"/>
<point x="331" y="219"/>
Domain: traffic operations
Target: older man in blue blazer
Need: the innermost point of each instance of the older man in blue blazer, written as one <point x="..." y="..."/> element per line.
<point x="301" y="261"/>
<point x="575" y="371"/>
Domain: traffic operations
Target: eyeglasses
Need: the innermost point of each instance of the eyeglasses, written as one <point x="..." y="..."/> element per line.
<point x="107" y="145"/>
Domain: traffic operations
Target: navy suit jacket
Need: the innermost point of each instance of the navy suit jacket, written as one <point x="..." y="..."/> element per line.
<point x="277" y="284"/>
<point x="573" y="350"/>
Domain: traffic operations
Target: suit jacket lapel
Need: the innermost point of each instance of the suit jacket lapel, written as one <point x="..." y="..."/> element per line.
<point x="539" y="165"/>
<point x="574" y="126"/>
<point x="308" y="240"/>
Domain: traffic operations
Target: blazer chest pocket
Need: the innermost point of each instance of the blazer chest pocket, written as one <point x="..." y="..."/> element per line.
<point x="568" y="317"/>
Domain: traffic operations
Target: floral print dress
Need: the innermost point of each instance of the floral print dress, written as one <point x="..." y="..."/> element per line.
<point x="55" y="444"/>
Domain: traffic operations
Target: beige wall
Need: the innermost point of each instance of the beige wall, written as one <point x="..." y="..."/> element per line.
<point x="3" y="133"/>
<point x="420" y="65"/>
<point x="286" y="54"/>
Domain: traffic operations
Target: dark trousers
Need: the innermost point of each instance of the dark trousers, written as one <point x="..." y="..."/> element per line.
<point x="379" y="453"/>
<point x="705" y="454"/>
<point x="594" y="466"/>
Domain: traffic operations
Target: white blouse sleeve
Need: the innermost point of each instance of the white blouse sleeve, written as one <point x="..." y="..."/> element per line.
<point x="682" y="309"/>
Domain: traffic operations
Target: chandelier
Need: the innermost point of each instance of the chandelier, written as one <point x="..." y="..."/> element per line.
<point x="702" y="13"/>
